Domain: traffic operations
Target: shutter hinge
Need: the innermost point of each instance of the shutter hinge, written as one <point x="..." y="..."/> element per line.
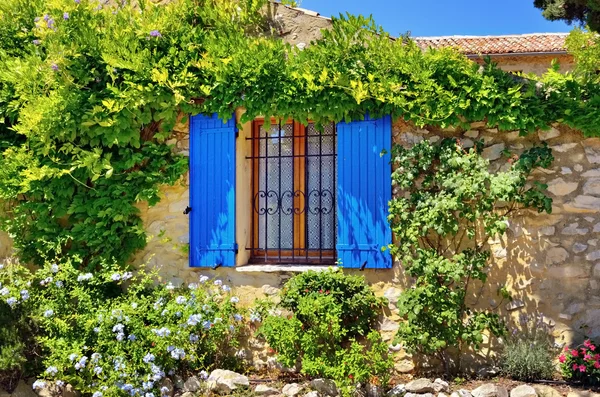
<point x="187" y="210"/>
<point x="237" y="133"/>
<point x="362" y="267"/>
<point x="236" y="248"/>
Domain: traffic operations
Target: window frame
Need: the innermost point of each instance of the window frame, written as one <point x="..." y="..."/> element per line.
<point x="299" y="254"/>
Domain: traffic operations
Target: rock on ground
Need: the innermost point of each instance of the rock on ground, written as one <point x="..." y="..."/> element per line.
<point x="312" y="394"/>
<point x="523" y="391"/>
<point x="490" y="390"/>
<point x="441" y="385"/>
<point x="192" y="384"/>
<point x="223" y="381"/>
<point x="420" y="386"/>
<point x="291" y="390"/>
<point x="409" y="394"/>
<point x="546" y="391"/>
<point x="23" y="390"/>
<point x="374" y="390"/>
<point x="461" y="393"/>
<point x="264" y="390"/>
<point x="324" y="386"/>
<point x="396" y="391"/>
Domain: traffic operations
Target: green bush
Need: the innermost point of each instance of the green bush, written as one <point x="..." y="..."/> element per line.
<point x="528" y="353"/>
<point x="328" y="332"/>
<point x="112" y="331"/>
<point x="449" y="206"/>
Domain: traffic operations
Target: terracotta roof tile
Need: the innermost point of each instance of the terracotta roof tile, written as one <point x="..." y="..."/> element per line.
<point x="484" y="45"/>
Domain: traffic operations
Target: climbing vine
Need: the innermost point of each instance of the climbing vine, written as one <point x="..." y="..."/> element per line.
<point x="91" y="90"/>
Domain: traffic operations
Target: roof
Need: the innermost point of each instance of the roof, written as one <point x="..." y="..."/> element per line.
<point x="496" y="45"/>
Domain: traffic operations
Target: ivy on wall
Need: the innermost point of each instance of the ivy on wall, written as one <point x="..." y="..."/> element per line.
<point x="90" y="91"/>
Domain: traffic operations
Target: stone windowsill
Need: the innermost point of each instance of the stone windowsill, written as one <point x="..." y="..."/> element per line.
<point x="279" y="268"/>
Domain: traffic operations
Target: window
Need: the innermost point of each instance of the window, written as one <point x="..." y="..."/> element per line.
<point x="294" y="193"/>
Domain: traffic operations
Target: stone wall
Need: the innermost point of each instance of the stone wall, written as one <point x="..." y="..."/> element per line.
<point x="549" y="263"/>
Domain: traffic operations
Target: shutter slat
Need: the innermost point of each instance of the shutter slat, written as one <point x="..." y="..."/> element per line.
<point x="364" y="191"/>
<point x="212" y="192"/>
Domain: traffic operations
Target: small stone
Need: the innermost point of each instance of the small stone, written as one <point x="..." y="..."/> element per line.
<point x="597" y="270"/>
<point x="592" y="153"/>
<point x="269" y="290"/>
<point x="565" y="316"/>
<point x="418" y="395"/>
<point x="548" y="231"/>
<point x="565" y="171"/>
<point x="490" y="390"/>
<point x="23" y="390"/>
<point x="565" y="147"/>
<point x="578" y="167"/>
<point x="573" y="229"/>
<point x="392" y="294"/>
<point x="593" y="242"/>
<point x="500" y="253"/>
<point x="514" y="305"/>
<point x="593" y="256"/>
<point x="441" y="385"/>
<point x="388" y="325"/>
<point x="404" y="366"/>
<point x="548" y="134"/>
<point x="556" y="255"/>
<point x="312" y="394"/>
<point x="583" y="204"/>
<point x="264" y="390"/>
<point x="69" y="391"/>
<point x="579" y="247"/>
<point x="461" y="393"/>
<point x="571" y="271"/>
<point x="395" y="348"/>
<point x="192" y="384"/>
<point x="582" y="393"/>
<point x="178" y="206"/>
<point x="374" y="390"/>
<point x="396" y="391"/>
<point x="592" y="187"/>
<point x="597" y="228"/>
<point x="178" y="380"/>
<point x="324" y="386"/>
<point x="523" y="391"/>
<point x="224" y="381"/>
<point x="420" y="386"/>
<point x="493" y="152"/>
<point x="188" y="394"/>
<point x="472" y="134"/>
<point x="291" y="389"/>
<point x="467" y="143"/>
<point x="559" y="187"/>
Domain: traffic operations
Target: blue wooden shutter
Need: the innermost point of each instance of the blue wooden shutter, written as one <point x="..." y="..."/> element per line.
<point x="364" y="190"/>
<point x="212" y="191"/>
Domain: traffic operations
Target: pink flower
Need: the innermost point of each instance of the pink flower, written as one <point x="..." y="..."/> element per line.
<point x="592" y="347"/>
<point x="562" y="358"/>
<point x="575" y="367"/>
<point x="587" y="357"/>
<point x="582" y="368"/>
<point x="574" y="353"/>
<point x="597" y="365"/>
<point x="587" y="343"/>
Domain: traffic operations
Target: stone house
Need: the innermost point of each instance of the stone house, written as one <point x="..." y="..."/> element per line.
<point x="261" y="204"/>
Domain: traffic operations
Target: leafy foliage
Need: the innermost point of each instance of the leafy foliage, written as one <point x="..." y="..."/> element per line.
<point x="320" y="335"/>
<point x="113" y="331"/>
<point x="89" y="93"/>
<point x="584" y="12"/>
<point x="581" y="363"/>
<point x="450" y="205"/>
<point x="529" y="352"/>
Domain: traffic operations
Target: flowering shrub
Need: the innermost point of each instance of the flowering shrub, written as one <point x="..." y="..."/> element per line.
<point x="581" y="363"/>
<point x="113" y="331"/>
<point x="528" y="351"/>
<point x="328" y="332"/>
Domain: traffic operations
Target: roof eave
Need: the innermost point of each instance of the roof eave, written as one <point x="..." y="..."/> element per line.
<point x="509" y="54"/>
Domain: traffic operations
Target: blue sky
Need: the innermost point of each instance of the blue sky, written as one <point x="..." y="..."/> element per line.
<point x="445" y="17"/>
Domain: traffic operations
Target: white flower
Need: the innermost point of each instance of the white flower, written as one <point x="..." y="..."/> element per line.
<point x="118" y="328"/>
<point x="96" y="357"/>
<point x="84" y="277"/>
<point x="193" y="286"/>
<point x="120" y="336"/>
<point x="194" y="319"/>
<point x="134" y="305"/>
<point x="127" y="276"/>
<point x="97" y="370"/>
<point x="203" y="279"/>
<point x="24" y="294"/>
<point x="203" y="375"/>
<point x="12" y="302"/>
<point x="218" y="282"/>
<point x="234" y="299"/>
<point x="255" y="317"/>
<point x="38" y="384"/>
<point x="170" y="286"/>
<point x="73" y="357"/>
<point x="54" y="268"/>
<point x="132" y="337"/>
<point x="97" y="394"/>
<point x="115" y="277"/>
<point x="148" y="358"/>
<point x="4" y="291"/>
<point x="59" y="284"/>
<point x="194" y="338"/>
<point x="178" y="353"/>
<point x="238" y="317"/>
<point x="226" y="288"/>
<point x="60" y="383"/>
<point x="52" y="371"/>
<point x="49" y="313"/>
<point x="181" y="300"/>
